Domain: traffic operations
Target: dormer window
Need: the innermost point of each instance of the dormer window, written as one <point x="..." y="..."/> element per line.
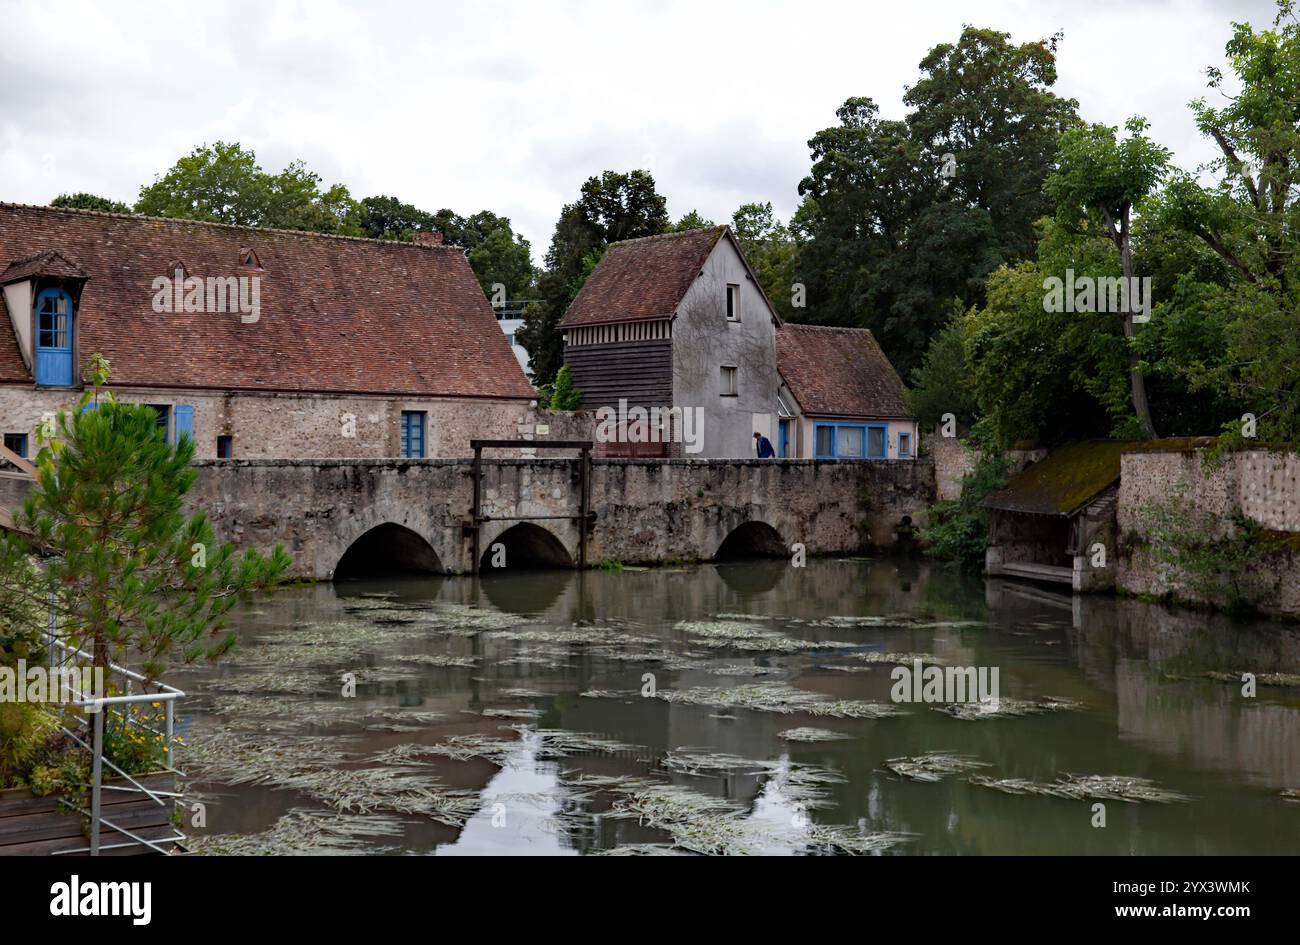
<point x="54" y="338"/>
<point x="248" y="260"/>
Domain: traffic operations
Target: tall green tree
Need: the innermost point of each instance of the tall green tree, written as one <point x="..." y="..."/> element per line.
<point x="771" y="250"/>
<point x="691" y="220"/>
<point x="612" y="207"/>
<point x="498" y="255"/>
<point x="1238" y="334"/>
<point x="85" y="201"/>
<point x="129" y="573"/>
<point x="387" y="218"/>
<point x="223" y="183"/>
<point x="1043" y="375"/>
<point x="986" y="103"/>
<point x="903" y="220"/>
<point x="1102" y="178"/>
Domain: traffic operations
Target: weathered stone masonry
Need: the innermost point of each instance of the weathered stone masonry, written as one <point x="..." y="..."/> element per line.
<point x="1263" y="486"/>
<point x="646" y="510"/>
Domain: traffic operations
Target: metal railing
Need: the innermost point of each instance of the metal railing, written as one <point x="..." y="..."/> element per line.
<point x="97" y="705"/>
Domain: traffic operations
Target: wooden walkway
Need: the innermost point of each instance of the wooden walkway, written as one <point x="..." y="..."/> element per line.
<point x="1051" y="573"/>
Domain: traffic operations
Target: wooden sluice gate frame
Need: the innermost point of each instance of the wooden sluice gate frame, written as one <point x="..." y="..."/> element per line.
<point x="477" y="518"/>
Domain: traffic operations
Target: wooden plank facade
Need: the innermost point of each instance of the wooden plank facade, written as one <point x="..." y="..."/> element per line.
<point x="640" y="371"/>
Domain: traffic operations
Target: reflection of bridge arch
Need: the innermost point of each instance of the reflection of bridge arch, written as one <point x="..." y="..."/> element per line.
<point x="387" y="548"/>
<point x="524" y="545"/>
<point x="751" y="540"/>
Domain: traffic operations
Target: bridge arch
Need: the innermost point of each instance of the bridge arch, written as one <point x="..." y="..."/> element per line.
<point x="385" y="549"/>
<point x="752" y="539"/>
<point x="524" y="545"/>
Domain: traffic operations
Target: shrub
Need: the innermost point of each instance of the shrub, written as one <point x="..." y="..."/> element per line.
<point x="959" y="531"/>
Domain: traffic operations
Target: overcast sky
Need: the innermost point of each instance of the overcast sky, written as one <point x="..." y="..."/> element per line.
<point x="510" y="106"/>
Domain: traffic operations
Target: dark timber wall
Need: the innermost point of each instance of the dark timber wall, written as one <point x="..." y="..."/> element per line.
<point x="641" y="371"/>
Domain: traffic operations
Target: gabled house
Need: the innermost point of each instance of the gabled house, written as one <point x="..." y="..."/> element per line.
<point x="256" y="343"/>
<point x="840" y="397"/>
<point x="677" y="321"/>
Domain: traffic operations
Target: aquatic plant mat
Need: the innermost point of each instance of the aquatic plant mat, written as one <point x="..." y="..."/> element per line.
<point x="399" y="725"/>
<point x="933" y="765"/>
<point x="1092" y="787"/>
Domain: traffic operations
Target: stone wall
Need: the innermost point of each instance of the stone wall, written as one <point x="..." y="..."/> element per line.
<point x="953" y="460"/>
<point x="1262" y="486"/>
<point x="314" y="426"/>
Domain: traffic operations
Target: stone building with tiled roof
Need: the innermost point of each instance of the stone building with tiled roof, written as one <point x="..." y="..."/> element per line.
<point x="840" y="397"/>
<point x="257" y="343"/>
<point x="680" y="320"/>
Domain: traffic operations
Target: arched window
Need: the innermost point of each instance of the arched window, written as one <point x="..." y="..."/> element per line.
<point x="54" y="338"/>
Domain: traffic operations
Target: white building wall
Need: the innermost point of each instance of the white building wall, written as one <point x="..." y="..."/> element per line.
<point x="704" y="341"/>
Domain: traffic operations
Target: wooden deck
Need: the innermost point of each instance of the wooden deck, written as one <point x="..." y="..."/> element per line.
<point x="1054" y="574"/>
<point x="39" y="826"/>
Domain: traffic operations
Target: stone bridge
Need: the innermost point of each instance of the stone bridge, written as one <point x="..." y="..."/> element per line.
<point x="352" y="517"/>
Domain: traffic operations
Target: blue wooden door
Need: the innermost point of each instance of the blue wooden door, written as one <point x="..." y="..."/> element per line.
<point x="54" y="338"/>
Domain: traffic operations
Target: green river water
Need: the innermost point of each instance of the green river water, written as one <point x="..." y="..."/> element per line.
<point x="514" y="714"/>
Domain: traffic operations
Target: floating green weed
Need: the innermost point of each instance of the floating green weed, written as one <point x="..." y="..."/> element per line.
<point x="933" y="765"/>
<point x="806" y="734"/>
<point x="1006" y="708"/>
<point x="1093" y="787"/>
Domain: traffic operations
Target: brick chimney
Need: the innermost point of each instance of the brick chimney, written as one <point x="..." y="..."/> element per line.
<point x="428" y="239"/>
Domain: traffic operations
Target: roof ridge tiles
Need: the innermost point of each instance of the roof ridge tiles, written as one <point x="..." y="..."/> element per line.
<point x="676" y="234"/>
<point x="228" y="226"/>
<point x="785" y="325"/>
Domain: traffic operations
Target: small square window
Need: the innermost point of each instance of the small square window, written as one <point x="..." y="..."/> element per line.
<point x="733" y="303"/>
<point x="16" y="443"/>
<point x="904" y="444"/>
<point x="164" y="412"/>
<point x="728" y="381"/>
<point x="225" y="447"/>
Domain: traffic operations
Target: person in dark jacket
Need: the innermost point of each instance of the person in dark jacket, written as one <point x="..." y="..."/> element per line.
<point x="764" y="446"/>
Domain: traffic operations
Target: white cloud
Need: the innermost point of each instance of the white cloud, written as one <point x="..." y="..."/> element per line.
<point x="510" y="106"/>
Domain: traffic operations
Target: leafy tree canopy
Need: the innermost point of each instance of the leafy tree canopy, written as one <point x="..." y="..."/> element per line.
<point x="85" y="201"/>
<point x="611" y="207"/>
<point x="223" y="183"/>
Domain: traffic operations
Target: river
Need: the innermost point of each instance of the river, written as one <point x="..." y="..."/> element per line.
<point x="743" y="707"/>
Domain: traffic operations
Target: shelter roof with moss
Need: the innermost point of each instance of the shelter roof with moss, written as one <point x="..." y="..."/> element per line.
<point x="1068" y="479"/>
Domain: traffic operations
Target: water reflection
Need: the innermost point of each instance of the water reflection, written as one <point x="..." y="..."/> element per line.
<point x="520" y="808"/>
<point x="510" y="656"/>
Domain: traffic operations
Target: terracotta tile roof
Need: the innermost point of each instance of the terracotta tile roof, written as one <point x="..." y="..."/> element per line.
<point x="838" y="372"/>
<point x="48" y="263"/>
<point x="1068" y="479"/>
<point x="643" y="278"/>
<point x="338" y="314"/>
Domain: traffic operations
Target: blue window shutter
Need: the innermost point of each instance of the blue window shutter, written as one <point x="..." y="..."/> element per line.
<point x="413" y="434"/>
<point x="184" y="421"/>
<point x="90" y="406"/>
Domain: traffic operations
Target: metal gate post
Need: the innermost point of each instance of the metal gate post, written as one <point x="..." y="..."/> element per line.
<point x="584" y="502"/>
<point x="97" y="778"/>
<point x="474" y="512"/>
